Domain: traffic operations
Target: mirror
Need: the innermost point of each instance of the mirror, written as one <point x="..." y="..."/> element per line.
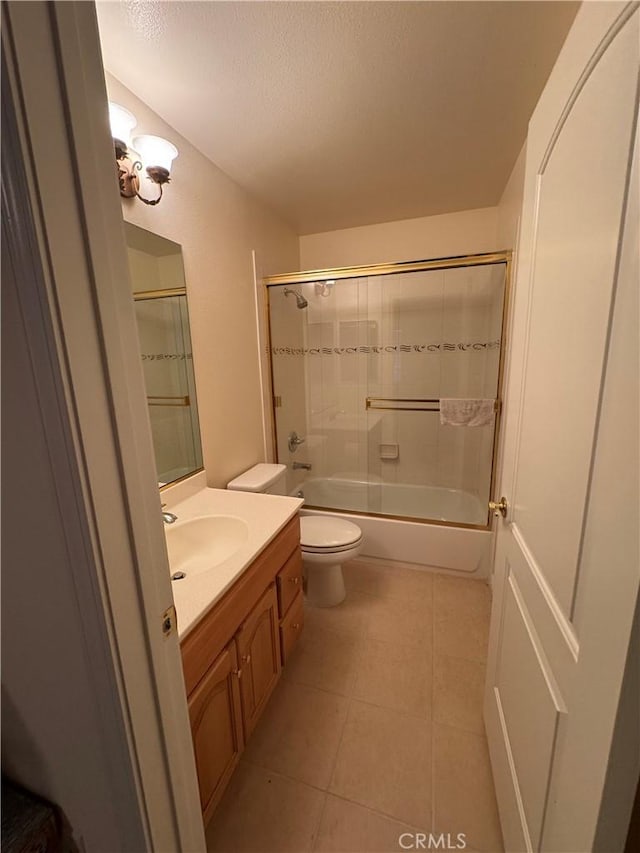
<point x="159" y="291"/>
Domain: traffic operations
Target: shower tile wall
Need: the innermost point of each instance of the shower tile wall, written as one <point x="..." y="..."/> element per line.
<point x="456" y="306"/>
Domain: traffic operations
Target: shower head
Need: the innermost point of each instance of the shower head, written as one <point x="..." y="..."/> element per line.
<point x="301" y="302"/>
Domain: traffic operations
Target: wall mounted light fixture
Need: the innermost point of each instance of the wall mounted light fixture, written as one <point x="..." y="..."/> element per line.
<point x="152" y="153"/>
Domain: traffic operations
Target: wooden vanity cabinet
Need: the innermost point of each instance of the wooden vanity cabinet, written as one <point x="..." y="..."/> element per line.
<point x="232" y="659"/>
<point x="258" y="644"/>
<point x="216" y="727"/>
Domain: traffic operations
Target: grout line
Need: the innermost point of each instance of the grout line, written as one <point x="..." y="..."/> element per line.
<point x="400" y="713"/>
<point x="479" y="661"/>
<point x="386" y="815"/>
<point x="335" y="757"/>
<point x="316" y="831"/>
<point x="481" y="735"/>
<point x="299" y="683"/>
<point x="282" y="775"/>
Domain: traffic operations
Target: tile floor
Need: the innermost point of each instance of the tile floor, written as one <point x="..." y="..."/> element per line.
<point x="375" y="728"/>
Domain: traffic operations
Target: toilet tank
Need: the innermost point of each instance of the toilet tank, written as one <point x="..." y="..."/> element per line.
<point x="264" y="477"/>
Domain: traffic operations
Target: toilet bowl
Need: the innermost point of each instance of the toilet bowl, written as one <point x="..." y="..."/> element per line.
<point x="326" y="544"/>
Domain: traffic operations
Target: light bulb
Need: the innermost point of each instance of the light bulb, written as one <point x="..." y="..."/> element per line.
<point x="155" y="151"/>
<point x="122" y="123"/>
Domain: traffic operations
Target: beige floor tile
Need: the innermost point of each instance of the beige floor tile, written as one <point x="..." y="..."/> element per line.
<point x="409" y="584"/>
<point x="384" y="579"/>
<point x="349" y="828"/>
<point x="262" y="812"/>
<point x="384" y="762"/>
<point x="350" y="617"/>
<point x="360" y="576"/>
<point x="463" y="788"/>
<point x="458" y="692"/>
<point x="395" y="620"/>
<point x="395" y="676"/>
<point x="299" y="733"/>
<point x="325" y="659"/>
<point x="462" y="610"/>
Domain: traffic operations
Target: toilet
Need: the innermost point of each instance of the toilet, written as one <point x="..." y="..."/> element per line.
<point x="326" y="541"/>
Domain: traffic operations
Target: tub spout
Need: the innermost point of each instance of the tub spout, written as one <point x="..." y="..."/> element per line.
<point x="305" y="466"/>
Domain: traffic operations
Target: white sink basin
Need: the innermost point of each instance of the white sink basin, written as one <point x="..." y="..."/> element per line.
<point x="200" y="544"/>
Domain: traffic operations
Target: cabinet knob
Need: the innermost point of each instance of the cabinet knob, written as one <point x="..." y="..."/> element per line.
<point x="246" y="658"/>
<point x="295" y="580"/>
<point x="237" y="673"/>
<point x="295" y="626"/>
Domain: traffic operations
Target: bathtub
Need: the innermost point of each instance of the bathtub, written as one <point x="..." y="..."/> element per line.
<point x="442" y="546"/>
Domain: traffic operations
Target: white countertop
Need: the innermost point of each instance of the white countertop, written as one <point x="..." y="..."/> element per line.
<point x="265" y="516"/>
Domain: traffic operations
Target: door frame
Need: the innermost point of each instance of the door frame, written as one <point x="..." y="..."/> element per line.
<point x="79" y="325"/>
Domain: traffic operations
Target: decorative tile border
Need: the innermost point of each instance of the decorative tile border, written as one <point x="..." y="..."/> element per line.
<point x="167" y="356"/>
<point x="391" y="348"/>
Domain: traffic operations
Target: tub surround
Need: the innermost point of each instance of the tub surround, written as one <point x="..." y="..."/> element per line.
<point x="402" y="500"/>
<point x="265" y="516"/>
<point x="422" y="545"/>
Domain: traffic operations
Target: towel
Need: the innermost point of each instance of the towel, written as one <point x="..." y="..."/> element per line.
<point x="460" y="412"/>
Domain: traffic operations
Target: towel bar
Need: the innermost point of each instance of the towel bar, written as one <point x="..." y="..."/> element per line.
<point x="372" y="403"/>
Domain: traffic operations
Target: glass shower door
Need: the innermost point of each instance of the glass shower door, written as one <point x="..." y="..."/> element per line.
<point x="360" y="366"/>
<point x="441" y="334"/>
<point x="320" y="380"/>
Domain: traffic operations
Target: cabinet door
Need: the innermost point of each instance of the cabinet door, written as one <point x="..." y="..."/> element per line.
<point x="291" y="627"/>
<point x="216" y="727"/>
<point x="289" y="581"/>
<point x="259" y="652"/>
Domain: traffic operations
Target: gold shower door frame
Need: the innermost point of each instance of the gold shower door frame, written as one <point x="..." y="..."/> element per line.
<point x="311" y="276"/>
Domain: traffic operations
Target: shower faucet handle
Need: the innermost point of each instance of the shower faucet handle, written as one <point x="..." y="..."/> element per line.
<point x="294" y="441"/>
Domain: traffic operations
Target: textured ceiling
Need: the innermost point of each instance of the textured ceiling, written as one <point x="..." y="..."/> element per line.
<point x="339" y="114"/>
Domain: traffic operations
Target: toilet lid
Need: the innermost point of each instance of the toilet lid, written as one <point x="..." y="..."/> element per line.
<point x="321" y="533"/>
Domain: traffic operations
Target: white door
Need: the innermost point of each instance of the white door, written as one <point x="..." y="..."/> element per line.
<point x="566" y="566"/>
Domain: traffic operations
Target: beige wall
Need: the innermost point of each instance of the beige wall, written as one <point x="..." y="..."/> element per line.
<point x="217" y="224"/>
<point x="462" y="233"/>
<point x="510" y="205"/>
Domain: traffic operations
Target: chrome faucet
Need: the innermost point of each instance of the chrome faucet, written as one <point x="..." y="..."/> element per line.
<point x="294" y="441"/>
<point x="169" y="517"/>
<point x="305" y="466"/>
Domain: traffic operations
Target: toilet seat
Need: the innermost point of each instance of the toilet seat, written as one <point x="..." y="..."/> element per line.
<point x="322" y="535"/>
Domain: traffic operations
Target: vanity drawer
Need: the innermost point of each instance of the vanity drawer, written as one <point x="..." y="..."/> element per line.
<point x="289" y="581"/>
<point x="291" y="627"/>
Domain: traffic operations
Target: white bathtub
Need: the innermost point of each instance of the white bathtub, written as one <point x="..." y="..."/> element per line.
<point x="441" y="546"/>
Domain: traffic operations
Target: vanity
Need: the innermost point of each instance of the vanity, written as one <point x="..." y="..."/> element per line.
<point x="238" y="619"/>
